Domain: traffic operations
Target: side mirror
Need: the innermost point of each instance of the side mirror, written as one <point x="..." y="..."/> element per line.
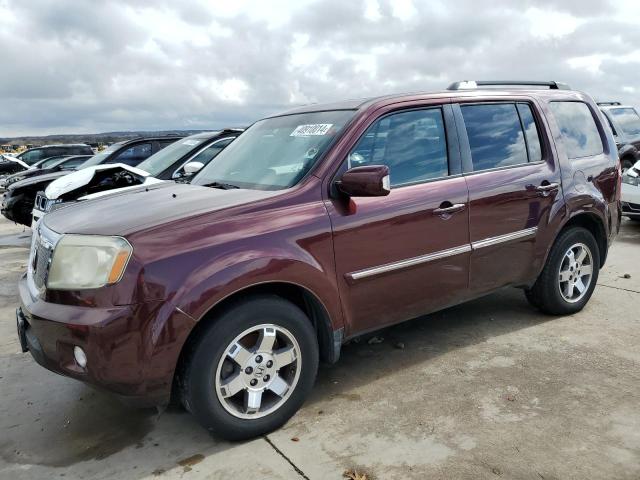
<point x="368" y="181"/>
<point x="192" y="167"/>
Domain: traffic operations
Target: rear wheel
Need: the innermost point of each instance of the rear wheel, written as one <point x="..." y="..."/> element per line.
<point x="570" y="274"/>
<point x="252" y="368"/>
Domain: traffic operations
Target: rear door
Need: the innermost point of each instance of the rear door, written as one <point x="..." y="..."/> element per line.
<point x="407" y="253"/>
<point x="514" y="190"/>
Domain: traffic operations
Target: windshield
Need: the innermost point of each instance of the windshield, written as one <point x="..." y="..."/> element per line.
<point x="627" y="119"/>
<point x="159" y="162"/>
<point x="98" y="158"/>
<point x="275" y="153"/>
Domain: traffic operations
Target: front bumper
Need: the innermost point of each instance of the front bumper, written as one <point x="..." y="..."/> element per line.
<point x="631" y="210"/>
<point x="132" y="350"/>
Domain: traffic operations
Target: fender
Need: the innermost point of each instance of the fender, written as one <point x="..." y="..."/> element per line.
<point x="208" y="287"/>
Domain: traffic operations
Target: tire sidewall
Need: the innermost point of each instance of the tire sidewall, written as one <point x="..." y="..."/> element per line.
<point x="200" y="392"/>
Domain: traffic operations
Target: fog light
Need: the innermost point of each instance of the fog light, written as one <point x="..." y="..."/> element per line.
<point x="80" y="356"/>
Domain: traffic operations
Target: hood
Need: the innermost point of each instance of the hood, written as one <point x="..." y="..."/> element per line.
<point x="83" y="177"/>
<point x="9" y="158"/>
<point x="122" y="213"/>
<point x="41" y="180"/>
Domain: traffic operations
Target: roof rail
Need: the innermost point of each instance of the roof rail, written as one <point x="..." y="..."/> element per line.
<point x="604" y="104"/>
<point x="471" y="84"/>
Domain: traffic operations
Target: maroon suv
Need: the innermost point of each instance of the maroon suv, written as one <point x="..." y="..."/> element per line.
<point x="313" y="227"/>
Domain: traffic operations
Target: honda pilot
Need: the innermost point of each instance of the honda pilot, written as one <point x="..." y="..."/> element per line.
<point x="313" y="227"/>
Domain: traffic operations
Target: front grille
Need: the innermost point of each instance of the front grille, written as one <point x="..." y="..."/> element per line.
<point x="40" y="263"/>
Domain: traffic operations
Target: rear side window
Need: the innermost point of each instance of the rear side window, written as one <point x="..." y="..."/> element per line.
<point x="579" y="131"/>
<point x="412" y="144"/>
<point x="495" y="135"/>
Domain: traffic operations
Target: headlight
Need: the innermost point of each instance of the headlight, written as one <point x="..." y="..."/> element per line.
<point x="631" y="180"/>
<point x="88" y="261"/>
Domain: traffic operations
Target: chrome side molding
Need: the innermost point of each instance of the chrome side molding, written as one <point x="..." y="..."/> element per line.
<point x="528" y="232"/>
<point x="410" y="262"/>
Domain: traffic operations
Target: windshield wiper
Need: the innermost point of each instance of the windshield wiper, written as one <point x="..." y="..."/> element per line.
<point x="221" y="185"/>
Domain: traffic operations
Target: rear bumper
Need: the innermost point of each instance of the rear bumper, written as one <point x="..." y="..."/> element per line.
<point x="132" y="351"/>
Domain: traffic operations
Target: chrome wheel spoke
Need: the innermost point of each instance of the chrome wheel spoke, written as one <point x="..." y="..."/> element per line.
<point x="232" y="386"/>
<point x="586" y="270"/>
<point x="278" y="386"/>
<point x="284" y="356"/>
<point x="564" y="275"/>
<point x="571" y="257"/>
<point x="580" y="286"/>
<point x="239" y="354"/>
<point x="582" y="254"/>
<point x="266" y="340"/>
<point x="252" y="401"/>
<point x="568" y="289"/>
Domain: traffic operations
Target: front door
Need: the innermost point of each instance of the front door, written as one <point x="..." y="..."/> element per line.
<point x="514" y="191"/>
<point x="405" y="254"/>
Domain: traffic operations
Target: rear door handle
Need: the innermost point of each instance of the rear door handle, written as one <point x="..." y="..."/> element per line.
<point x="442" y="210"/>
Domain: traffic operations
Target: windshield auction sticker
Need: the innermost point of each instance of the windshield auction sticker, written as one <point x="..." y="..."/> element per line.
<point x="313" y="129"/>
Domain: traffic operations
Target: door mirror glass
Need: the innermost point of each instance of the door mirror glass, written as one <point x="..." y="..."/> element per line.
<point x="192" y="167"/>
<point x="367" y="181"/>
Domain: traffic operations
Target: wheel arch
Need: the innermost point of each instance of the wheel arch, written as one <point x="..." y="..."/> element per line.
<point x="594" y="224"/>
<point x="329" y="340"/>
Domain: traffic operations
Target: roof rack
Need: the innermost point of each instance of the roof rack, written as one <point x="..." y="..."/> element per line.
<point x="604" y="104"/>
<point x="471" y="84"/>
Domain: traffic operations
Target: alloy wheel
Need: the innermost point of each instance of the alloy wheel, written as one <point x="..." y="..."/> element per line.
<point x="576" y="272"/>
<point x="258" y="371"/>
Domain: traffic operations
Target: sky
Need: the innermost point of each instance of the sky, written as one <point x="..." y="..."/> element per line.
<point x="90" y="66"/>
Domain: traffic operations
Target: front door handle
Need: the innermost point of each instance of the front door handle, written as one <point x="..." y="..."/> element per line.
<point x="549" y="187"/>
<point x="448" y="210"/>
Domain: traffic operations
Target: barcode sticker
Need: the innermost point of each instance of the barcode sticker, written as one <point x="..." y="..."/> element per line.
<point x="313" y="129"/>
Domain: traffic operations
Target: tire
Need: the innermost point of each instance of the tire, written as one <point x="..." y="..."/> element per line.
<point x="203" y="387"/>
<point x="626" y="164"/>
<point x="549" y="292"/>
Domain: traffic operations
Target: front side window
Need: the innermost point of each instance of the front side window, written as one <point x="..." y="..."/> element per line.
<point x="627" y="119"/>
<point x="412" y="144"/>
<point x="275" y="153"/>
<point x="578" y="128"/>
<point x="100" y="157"/>
<point x="495" y="135"/>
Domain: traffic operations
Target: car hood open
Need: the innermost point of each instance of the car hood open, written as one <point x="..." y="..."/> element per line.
<point x="35" y="181"/>
<point x="122" y="213"/>
<point x="83" y="177"/>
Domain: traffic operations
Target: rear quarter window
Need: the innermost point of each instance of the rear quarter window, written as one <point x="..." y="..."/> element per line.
<point x="580" y="134"/>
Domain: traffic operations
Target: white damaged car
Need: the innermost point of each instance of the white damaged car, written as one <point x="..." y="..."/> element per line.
<point x="631" y="192"/>
<point x="178" y="162"/>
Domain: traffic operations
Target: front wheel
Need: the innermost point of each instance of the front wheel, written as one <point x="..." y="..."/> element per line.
<point x="252" y="369"/>
<point x="570" y="274"/>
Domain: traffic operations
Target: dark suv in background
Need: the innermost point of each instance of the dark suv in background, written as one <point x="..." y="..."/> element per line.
<point x="625" y="125"/>
<point x="34" y="155"/>
<point x="19" y="198"/>
<point x="315" y="226"/>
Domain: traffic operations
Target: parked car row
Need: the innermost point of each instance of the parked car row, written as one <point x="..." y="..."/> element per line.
<point x="310" y="228"/>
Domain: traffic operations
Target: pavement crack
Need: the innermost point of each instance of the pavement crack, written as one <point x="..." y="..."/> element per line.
<point x="295" y="467"/>
<point x="618" y="288"/>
